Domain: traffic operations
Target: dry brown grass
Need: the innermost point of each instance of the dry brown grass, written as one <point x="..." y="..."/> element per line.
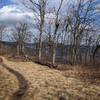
<point x="8" y="84"/>
<point x="49" y="84"/>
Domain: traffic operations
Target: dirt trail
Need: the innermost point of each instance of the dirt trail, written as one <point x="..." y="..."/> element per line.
<point x="23" y="86"/>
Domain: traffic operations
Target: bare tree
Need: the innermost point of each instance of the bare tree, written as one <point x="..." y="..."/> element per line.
<point x="56" y="26"/>
<point x="80" y="20"/>
<point x="48" y="36"/>
<point x="96" y="48"/>
<point x="39" y="9"/>
<point x="2" y="27"/>
<point x="21" y="34"/>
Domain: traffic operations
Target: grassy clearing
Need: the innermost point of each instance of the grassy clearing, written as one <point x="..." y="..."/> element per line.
<point x="75" y="83"/>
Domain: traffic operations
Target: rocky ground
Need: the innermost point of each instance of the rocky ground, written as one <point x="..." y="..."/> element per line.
<point x="30" y="81"/>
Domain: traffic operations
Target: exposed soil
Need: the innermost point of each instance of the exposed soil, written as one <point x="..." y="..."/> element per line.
<point x="23" y="86"/>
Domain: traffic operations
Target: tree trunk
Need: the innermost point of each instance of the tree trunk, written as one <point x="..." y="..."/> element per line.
<point x="40" y="50"/>
<point x="18" y="50"/>
<point x="54" y="54"/>
<point x="1" y="43"/>
<point x="40" y="43"/>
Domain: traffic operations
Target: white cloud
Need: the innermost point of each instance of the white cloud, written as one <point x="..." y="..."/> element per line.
<point x="16" y="13"/>
<point x="13" y="14"/>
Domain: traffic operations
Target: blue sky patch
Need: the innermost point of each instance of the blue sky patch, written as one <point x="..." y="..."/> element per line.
<point x="4" y="3"/>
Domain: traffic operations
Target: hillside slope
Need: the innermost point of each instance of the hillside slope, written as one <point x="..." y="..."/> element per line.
<point x="49" y="84"/>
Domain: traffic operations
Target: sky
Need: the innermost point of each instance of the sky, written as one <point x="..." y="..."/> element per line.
<point x="12" y="11"/>
<point x="4" y="3"/>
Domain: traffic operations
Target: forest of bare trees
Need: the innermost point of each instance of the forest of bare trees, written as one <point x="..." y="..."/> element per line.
<point x="71" y="30"/>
